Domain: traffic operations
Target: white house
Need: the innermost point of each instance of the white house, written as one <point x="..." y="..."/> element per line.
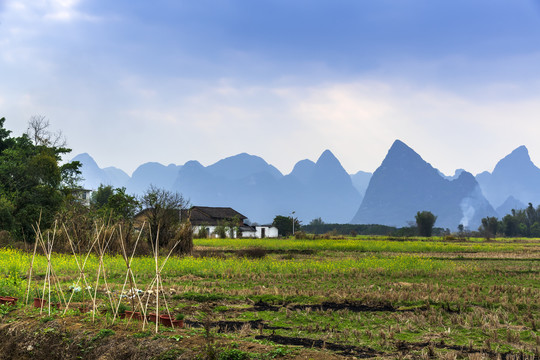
<point x="209" y="218"/>
<point x="260" y="231"/>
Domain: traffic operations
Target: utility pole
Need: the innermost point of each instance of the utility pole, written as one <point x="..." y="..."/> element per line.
<point x="292" y="217"/>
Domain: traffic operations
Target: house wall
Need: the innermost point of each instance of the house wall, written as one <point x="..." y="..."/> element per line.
<point x="249" y="234"/>
<point x="269" y="232"/>
<point x="211" y="231"/>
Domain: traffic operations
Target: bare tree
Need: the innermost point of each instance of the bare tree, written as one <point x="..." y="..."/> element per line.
<point x="39" y="132"/>
<point x="162" y="209"/>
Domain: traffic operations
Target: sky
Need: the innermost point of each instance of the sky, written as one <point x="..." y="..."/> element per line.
<point x="176" y="80"/>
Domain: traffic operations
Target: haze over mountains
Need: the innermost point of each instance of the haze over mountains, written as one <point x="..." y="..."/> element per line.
<point x="248" y="184"/>
<point x="401" y="186"/>
<point x="405" y="184"/>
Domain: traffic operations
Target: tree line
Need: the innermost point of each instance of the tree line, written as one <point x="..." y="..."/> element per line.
<point x="33" y="182"/>
<point x="519" y="223"/>
<point x="38" y="188"/>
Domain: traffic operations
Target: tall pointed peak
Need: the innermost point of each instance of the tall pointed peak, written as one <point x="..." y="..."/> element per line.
<point x="327" y="157"/>
<point x="515" y="162"/>
<point x="466" y="177"/>
<point x="401" y="147"/>
<point x="520" y="152"/>
<point x="399" y="152"/>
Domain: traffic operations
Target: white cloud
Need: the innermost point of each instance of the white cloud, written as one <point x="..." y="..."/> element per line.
<point x="358" y="121"/>
<point x="50" y="10"/>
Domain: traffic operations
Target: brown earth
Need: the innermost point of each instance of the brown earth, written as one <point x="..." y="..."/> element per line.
<point x="74" y="337"/>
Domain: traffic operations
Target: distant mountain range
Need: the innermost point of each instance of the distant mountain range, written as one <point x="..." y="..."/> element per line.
<point x="246" y="183"/>
<point x="401" y="186"/>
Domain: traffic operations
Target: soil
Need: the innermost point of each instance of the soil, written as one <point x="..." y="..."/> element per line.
<point x="26" y="335"/>
<point x="351" y="306"/>
<point x="348" y="350"/>
<point x="233" y="326"/>
<point x="73" y="337"/>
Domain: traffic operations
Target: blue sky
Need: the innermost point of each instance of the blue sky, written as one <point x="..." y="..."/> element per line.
<point x="171" y="81"/>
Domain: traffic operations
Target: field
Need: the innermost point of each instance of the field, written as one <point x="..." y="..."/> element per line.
<point x="299" y="299"/>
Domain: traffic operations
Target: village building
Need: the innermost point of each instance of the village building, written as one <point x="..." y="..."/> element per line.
<point x="211" y="220"/>
<point x="208" y="219"/>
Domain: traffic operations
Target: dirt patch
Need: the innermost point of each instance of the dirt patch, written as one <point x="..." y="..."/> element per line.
<point x="347" y="350"/>
<point x="76" y="338"/>
<point x="463" y="351"/>
<point x="51" y="340"/>
<point x="351" y="306"/>
<point x="253" y="253"/>
<point x="233" y="326"/>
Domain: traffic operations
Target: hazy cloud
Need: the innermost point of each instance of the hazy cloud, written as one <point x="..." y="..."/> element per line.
<point x="171" y="81"/>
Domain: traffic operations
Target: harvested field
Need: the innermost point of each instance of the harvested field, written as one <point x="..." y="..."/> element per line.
<point x="405" y="299"/>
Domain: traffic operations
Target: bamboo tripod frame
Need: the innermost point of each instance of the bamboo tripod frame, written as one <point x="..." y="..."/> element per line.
<point x="99" y="247"/>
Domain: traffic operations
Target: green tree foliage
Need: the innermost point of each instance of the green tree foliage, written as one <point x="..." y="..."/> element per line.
<point x="202" y="232"/>
<point x="284" y="225"/>
<point x="347" y="229"/>
<point x="221" y="231"/>
<point x="424" y="222"/>
<point x="115" y="203"/>
<point x="101" y="196"/>
<point x="521" y="223"/>
<point x="33" y="184"/>
<point x="489" y="227"/>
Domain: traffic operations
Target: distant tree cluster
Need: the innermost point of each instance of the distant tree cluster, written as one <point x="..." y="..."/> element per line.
<point x="284" y="225"/>
<point x="318" y="226"/>
<point x="520" y="223"/>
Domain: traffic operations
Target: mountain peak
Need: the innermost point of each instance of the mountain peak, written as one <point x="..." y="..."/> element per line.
<point x="400" y="146"/>
<point x="242" y="165"/>
<point x="303" y="170"/>
<point x="403" y="156"/>
<point x="520" y="152"/>
<point x="327" y="157"/>
<point x="515" y="162"/>
<point x="85" y="158"/>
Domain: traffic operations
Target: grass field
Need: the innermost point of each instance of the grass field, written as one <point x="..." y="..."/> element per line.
<point x="359" y="298"/>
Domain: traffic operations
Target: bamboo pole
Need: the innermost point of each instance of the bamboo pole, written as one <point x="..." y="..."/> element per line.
<point x="129" y="272"/>
<point x="81" y="268"/>
<point x="32" y="264"/>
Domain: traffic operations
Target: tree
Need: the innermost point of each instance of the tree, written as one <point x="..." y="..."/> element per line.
<point x="122" y="205"/>
<point x="221" y="230"/>
<point x="284" y="225"/>
<point x="424" y="222"/>
<point x="489" y="227"/>
<point x="162" y="209"/>
<point x="101" y="196"/>
<point x="114" y="202"/>
<point x="39" y="133"/>
<point x="33" y="184"/>
<point x="316" y="222"/>
<point x="510" y="225"/>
